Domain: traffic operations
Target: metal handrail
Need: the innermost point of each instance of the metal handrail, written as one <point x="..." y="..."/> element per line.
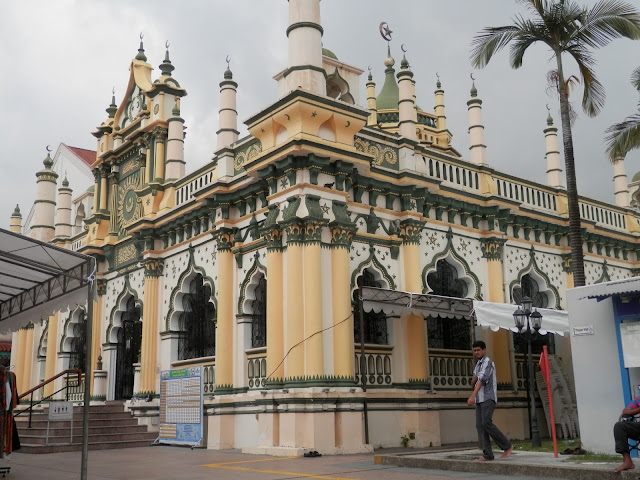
<point x="68" y="372"/>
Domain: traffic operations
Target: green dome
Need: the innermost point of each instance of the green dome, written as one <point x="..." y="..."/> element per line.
<point x="328" y="53"/>
<point x="390" y="94"/>
<point x="636" y="178"/>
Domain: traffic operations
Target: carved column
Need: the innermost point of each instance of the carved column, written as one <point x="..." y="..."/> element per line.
<point x="103" y="187"/>
<point x="153" y="269"/>
<point x="501" y="342"/>
<point x="96" y="190"/>
<point x="96" y="328"/>
<point x="224" y="336"/>
<point x="341" y="237"/>
<point x="160" y="138"/>
<point x="417" y="368"/>
<point x="113" y="216"/>
<point x="275" y="310"/>
<point x="314" y="349"/>
<point x="295" y="304"/>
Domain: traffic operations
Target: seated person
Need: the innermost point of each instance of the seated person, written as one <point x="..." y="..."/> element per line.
<point x="625" y="430"/>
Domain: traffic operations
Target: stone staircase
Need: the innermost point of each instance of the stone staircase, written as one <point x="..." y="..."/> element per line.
<point x="110" y="426"/>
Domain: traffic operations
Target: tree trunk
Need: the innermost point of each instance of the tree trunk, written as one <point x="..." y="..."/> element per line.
<point x="575" y="231"/>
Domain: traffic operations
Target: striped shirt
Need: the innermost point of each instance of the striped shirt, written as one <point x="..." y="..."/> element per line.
<point x="485" y="370"/>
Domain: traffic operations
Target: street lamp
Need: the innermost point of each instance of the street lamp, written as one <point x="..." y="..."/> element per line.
<point x="533" y="321"/>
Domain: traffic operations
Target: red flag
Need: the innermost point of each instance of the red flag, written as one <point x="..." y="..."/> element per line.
<point x="545" y="368"/>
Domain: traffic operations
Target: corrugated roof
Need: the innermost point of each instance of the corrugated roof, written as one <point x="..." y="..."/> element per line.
<point x="608" y="289"/>
<point x="87" y="156"/>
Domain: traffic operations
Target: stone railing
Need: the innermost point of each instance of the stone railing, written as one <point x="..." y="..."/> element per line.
<point x="521" y="369"/>
<point x="452" y="174"/>
<point x="257" y="369"/>
<point x="377" y="365"/>
<point x="531" y="196"/>
<point x="75" y="389"/>
<point x="450" y="369"/>
<point x="604" y="216"/>
<point x="184" y="193"/>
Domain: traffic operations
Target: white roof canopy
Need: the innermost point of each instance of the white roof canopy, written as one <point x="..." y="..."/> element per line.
<point x="487" y="314"/>
<point x="37" y="279"/>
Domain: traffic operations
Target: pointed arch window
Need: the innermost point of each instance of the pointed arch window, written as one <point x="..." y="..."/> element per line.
<point x="197" y="322"/>
<point x="259" y="316"/>
<point x="375" y="324"/>
<point x="78" y="353"/>
<point x="448" y="333"/>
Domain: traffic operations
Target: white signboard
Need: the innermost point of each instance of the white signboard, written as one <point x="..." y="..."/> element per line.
<point x="579" y="331"/>
<point x="60" y="411"/>
<point x="630" y="337"/>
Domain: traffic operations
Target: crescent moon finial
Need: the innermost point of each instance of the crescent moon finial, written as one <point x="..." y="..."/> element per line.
<point x="369" y="68"/>
<point x="228" y="60"/>
<point x="166" y="44"/>
<point x="385" y="31"/>
<point x="48" y="148"/>
<point x="472" y="77"/>
<point x="141" y="36"/>
<point x="113" y="90"/>
<point x="437" y="76"/>
<point x="548" y="109"/>
<point x="402" y="48"/>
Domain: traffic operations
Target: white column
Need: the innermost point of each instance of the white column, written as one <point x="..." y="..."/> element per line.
<point x="620" y="183"/>
<point x="552" y="155"/>
<point x="478" y="148"/>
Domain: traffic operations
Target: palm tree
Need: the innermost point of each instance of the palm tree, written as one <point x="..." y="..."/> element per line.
<point x="625" y="136"/>
<point x="565" y="27"/>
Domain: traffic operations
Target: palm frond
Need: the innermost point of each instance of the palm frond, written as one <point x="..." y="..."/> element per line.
<point x="623" y="137"/>
<point x="528" y="33"/>
<point x="635" y="78"/>
<point x="608" y="20"/>
<point x="490" y="41"/>
<point x="593" y="98"/>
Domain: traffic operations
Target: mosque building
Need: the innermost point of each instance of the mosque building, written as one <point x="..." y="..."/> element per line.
<point x="249" y="265"/>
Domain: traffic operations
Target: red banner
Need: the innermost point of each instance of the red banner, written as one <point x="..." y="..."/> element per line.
<point x="545" y="368"/>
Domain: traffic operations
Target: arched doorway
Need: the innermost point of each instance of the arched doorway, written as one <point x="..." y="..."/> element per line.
<point x="259" y="314"/>
<point x="197" y="326"/>
<point x="375" y="323"/>
<point x="128" y="350"/>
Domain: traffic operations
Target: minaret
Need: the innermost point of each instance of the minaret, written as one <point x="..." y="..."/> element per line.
<point x="45" y="204"/>
<point x="620" y="183"/>
<point x="228" y="115"/>
<point x="305" y="48"/>
<point x="371" y="101"/>
<point x="441" y="122"/>
<point x="406" y="101"/>
<point x="175" y="144"/>
<point x="554" y="168"/>
<point x="478" y="149"/>
<point x="63" y="212"/>
<point x="16" y="221"/>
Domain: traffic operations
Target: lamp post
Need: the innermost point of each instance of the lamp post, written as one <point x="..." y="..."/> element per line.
<point x="533" y="321"/>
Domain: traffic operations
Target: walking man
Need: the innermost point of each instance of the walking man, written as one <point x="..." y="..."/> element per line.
<point x="484" y="397"/>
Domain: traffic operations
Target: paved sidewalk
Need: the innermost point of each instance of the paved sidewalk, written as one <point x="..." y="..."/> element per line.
<point x="538" y="464"/>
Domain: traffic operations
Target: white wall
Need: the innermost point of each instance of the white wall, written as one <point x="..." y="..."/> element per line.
<point x="596" y="369"/>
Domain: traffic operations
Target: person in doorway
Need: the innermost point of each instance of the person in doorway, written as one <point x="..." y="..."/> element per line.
<point x="484" y="397"/>
<point x="623" y="431"/>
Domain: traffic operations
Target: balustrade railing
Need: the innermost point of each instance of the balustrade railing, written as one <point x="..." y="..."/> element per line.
<point x="531" y="196"/>
<point x="377" y="365"/>
<point x="604" y="216"/>
<point x="185" y="192"/>
<point x="257" y="369"/>
<point x="453" y="174"/>
<point x="450" y="369"/>
<point x="75" y="388"/>
<point x="521" y="369"/>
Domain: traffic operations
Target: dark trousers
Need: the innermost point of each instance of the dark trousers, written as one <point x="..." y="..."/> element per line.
<point x="487" y="430"/>
<point x="622" y="432"/>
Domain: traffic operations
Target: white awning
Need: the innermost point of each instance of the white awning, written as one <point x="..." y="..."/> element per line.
<point x="37" y="279"/>
<point x="487" y="314"/>
<point x="608" y="289"/>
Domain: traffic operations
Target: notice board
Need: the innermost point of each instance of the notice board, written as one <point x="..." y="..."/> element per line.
<point x="630" y="337"/>
<point x="181" y="406"/>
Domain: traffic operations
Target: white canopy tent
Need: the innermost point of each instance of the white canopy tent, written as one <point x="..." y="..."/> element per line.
<point x="487" y="314"/>
<point x="38" y="279"/>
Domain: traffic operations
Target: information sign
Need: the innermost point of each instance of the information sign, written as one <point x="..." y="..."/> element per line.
<point x="60" y="411"/>
<point x="181" y="406"/>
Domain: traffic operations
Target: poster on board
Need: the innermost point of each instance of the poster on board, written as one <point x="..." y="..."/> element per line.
<point x="181" y="407"/>
<point x="630" y="338"/>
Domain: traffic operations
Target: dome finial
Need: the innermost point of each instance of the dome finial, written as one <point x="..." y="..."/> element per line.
<point x="47" y="161"/>
<point x="228" y="75"/>
<point x="404" y="63"/>
<point x="370" y="75"/>
<point x="438" y="84"/>
<point x="176" y="108"/>
<point x="549" y="117"/>
<point x="141" y="55"/>
<point x="113" y="108"/>
<point x="166" y="67"/>
<point x="16" y="211"/>
<point x="474" y="90"/>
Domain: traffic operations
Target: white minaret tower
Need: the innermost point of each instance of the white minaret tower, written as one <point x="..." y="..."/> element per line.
<point x="228" y="115"/>
<point x="371" y="101"/>
<point x="552" y="155"/>
<point x="406" y="102"/>
<point x="45" y="204"/>
<point x="16" y="221"/>
<point x="305" y="48"/>
<point x="620" y="183"/>
<point x="63" y="225"/>
<point x="478" y="148"/>
<point x="175" y="145"/>
<point x="441" y="121"/>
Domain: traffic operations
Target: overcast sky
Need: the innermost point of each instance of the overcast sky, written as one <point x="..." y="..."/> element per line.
<point x="60" y="59"/>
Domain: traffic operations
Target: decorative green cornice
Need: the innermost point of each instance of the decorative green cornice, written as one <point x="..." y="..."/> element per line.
<point x="342" y="228"/>
<point x="291" y="210"/>
<point x="153" y="267"/>
<point x="295" y="230"/>
<point x="312" y="202"/>
<point x="313" y="231"/>
<point x="318" y="380"/>
<point x="101" y="287"/>
<point x="410" y="231"/>
<point x="273" y="238"/>
<point x="492" y="248"/>
<point x="567" y="263"/>
<point x="224" y="239"/>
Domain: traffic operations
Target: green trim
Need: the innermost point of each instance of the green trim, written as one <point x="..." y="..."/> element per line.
<point x="313" y="25"/>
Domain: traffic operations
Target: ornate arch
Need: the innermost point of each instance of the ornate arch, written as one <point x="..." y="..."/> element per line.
<point x="74" y="317"/>
<point x="182" y="287"/>
<point x="120" y="306"/>
<point x="44" y="340"/>
<point x="543" y="280"/>
<point x="248" y="286"/>
<point x="380" y="272"/>
<point x="460" y="264"/>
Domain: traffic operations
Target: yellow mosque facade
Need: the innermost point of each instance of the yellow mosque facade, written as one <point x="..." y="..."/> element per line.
<point x="249" y="265"/>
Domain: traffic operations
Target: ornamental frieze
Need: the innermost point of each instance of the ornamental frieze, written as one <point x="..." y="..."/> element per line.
<point x="246" y="155"/>
<point x="567" y="263"/>
<point x="410" y="231"/>
<point x="295" y="233"/>
<point x="492" y="248"/>
<point x="341" y="236"/>
<point x="273" y="236"/>
<point x="313" y="232"/>
<point x="224" y="239"/>
<point x="125" y="254"/>
<point x="153" y="267"/>
<point x="383" y="155"/>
